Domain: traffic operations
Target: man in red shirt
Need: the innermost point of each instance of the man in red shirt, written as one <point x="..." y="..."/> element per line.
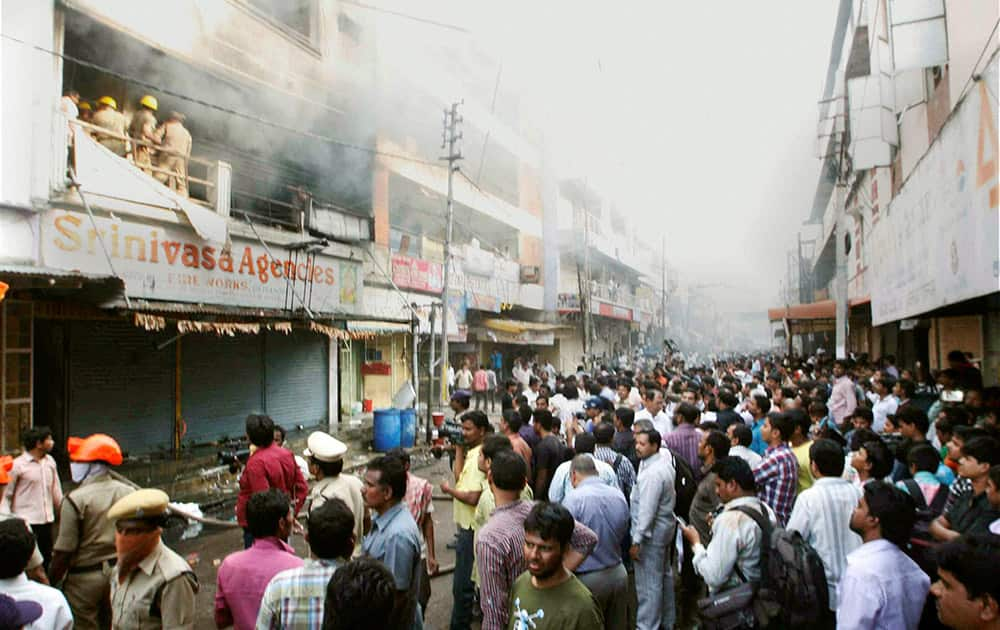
<point x="269" y="466"/>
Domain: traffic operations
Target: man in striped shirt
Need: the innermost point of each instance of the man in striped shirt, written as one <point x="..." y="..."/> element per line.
<point x="500" y="544"/>
<point x="822" y="514"/>
<point x="294" y="598"/>
<point x="777" y="475"/>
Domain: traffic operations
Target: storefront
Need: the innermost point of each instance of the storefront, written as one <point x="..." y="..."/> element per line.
<point x="197" y="334"/>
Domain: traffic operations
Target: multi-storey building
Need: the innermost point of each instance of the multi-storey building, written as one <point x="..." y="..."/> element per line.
<point x="899" y="253"/>
<point x="305" y="260"/>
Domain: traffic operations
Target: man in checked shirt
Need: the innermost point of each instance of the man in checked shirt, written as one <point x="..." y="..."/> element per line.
<point x="500" y="545"/>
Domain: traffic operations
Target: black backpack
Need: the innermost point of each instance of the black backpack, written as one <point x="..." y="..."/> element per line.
<point x="685" y="485"/>
<point x="793" y="589"/>
<point x="921" y="540"/>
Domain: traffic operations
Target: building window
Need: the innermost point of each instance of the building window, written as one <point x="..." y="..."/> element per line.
<point x="297" y="16"/>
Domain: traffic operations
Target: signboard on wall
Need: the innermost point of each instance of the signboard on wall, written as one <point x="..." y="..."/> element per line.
<point x="938" y="243"/>
<point x="170" y="263"/>
<point x="417" y="274"/>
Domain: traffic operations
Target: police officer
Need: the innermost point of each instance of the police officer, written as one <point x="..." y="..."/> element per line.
<point x="325" y="455"/>
<point x="143" y="129"/>
<point x="84" y="552"/>
<point x="108" y="117"/>
<point x="151" y="586"/>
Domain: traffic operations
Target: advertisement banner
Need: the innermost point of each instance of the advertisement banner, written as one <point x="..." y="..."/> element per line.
<point x="417" y="274"/>
<point x="170" y="263"/>
<point x="938" y="242"/>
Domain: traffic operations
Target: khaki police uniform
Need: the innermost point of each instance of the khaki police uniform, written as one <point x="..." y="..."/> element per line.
<point x="88" y="536"/>
<point x="175" y="144"/>
<point x="143" y="128"/>
<point x="113" y="121"/>
<point x="160" y="590"/>
<point x="323" y="447"/>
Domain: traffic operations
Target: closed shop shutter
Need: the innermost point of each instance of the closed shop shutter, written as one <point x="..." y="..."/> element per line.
<point x="221" y="382"/>
<point x="120" y="384"/>
<point x="296" y="383"/>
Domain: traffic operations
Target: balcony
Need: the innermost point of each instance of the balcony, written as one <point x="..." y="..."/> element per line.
<point x="211" y="184"/>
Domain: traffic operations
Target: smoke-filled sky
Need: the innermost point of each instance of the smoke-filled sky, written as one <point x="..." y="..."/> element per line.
<point x="699" y="117"/>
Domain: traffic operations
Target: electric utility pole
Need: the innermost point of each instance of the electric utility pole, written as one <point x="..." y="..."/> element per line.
<point x="663" y="286"/>
<point x="450" y="136"/>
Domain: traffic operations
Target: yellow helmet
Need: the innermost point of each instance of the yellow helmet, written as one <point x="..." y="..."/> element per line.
<point x="107" y="100"/>
<point x="85" y="105"/>
<point x="149" y="101"/>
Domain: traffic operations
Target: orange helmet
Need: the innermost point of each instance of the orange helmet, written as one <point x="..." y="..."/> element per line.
<point x="6" y="463"/>
<point x="95" y="448"/>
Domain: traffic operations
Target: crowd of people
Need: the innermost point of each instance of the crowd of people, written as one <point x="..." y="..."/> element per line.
<point x="687" y="483"/>
<point x="748" y="492"/>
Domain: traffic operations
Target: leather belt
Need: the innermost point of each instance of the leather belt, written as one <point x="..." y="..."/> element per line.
<point x="94" y="567"/>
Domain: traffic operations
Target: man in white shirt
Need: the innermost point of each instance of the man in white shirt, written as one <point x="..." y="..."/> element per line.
<point x="736" y="537"/>
<point x="741" y="437"/>
<point x="18" y="545"/>
<point x="843" y="399"/>
<point x="653" y="412"/>
<point x="882" y="587"/>
<point x="886" y="404"/>
<point x="822" y="514"/>
<point x="463" y="380"/>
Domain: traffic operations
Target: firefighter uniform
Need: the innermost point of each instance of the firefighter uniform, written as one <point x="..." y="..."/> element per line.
<point x="89" y="537"/>
<point x="175" y="149"/>
<point x="111" y="119"/>
<point x="143" y="129"/>
<point x="159" y="591"/>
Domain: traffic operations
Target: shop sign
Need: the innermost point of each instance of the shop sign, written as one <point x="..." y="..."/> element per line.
<point x="568" y="303"/>
<point x="611" y="310"/>
<point x="170" y="263"/>
<point x="938" y="242"/>
<point x="525" y="338"/>
<point x="480" y="302"/>
<point x="417" y="274"/>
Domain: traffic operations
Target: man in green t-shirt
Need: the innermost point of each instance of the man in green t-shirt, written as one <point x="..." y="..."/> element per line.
<point x="548" y="596"/>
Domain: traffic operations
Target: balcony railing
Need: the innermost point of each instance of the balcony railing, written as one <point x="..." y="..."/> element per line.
<point x="210" y="183"/>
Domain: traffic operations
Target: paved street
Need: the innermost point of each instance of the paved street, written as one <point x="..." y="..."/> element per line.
<point x="206" y="551"/>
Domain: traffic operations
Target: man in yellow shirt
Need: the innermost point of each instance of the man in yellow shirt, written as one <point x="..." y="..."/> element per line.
<point x="800" y="444"/>
<point x="468" y="486"/>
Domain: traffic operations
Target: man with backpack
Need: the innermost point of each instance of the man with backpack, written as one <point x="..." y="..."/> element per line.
<point x="733" y="556"/>
<point x="882" y="587"/>
<point x="757" y="573"/>
<point x="822" y="514"/>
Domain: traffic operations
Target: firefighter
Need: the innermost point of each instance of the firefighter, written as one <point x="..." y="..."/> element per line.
<point x="175" y="149"/>
<point x="108" y="117"/>
<point x="143" y="130"/>
<point x="84" y="552"/>
<point x="151" y="586"/>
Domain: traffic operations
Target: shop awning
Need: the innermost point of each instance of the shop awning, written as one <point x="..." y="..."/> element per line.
<point x="825" y="309"/>
<point x="378" y="328"/>
<point x="101" y="172"/>
<point x="516" y="327"/>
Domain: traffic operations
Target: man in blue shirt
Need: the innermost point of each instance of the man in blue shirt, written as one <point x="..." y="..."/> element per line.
<point x="603" y="509"/>
<point x="394" y="539"/>
<point x="758" y="408"/>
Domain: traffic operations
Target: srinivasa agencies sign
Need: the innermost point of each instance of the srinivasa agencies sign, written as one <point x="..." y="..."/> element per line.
<point x="170" y="263"/>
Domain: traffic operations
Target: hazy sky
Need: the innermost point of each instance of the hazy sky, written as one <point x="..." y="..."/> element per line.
<point x="699" y="117"/>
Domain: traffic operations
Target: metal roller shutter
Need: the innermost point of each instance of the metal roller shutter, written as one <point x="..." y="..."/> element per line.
<point x="221" y="382"/>
<point x="120" y="384"/>
<point x="296" y="367"/>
